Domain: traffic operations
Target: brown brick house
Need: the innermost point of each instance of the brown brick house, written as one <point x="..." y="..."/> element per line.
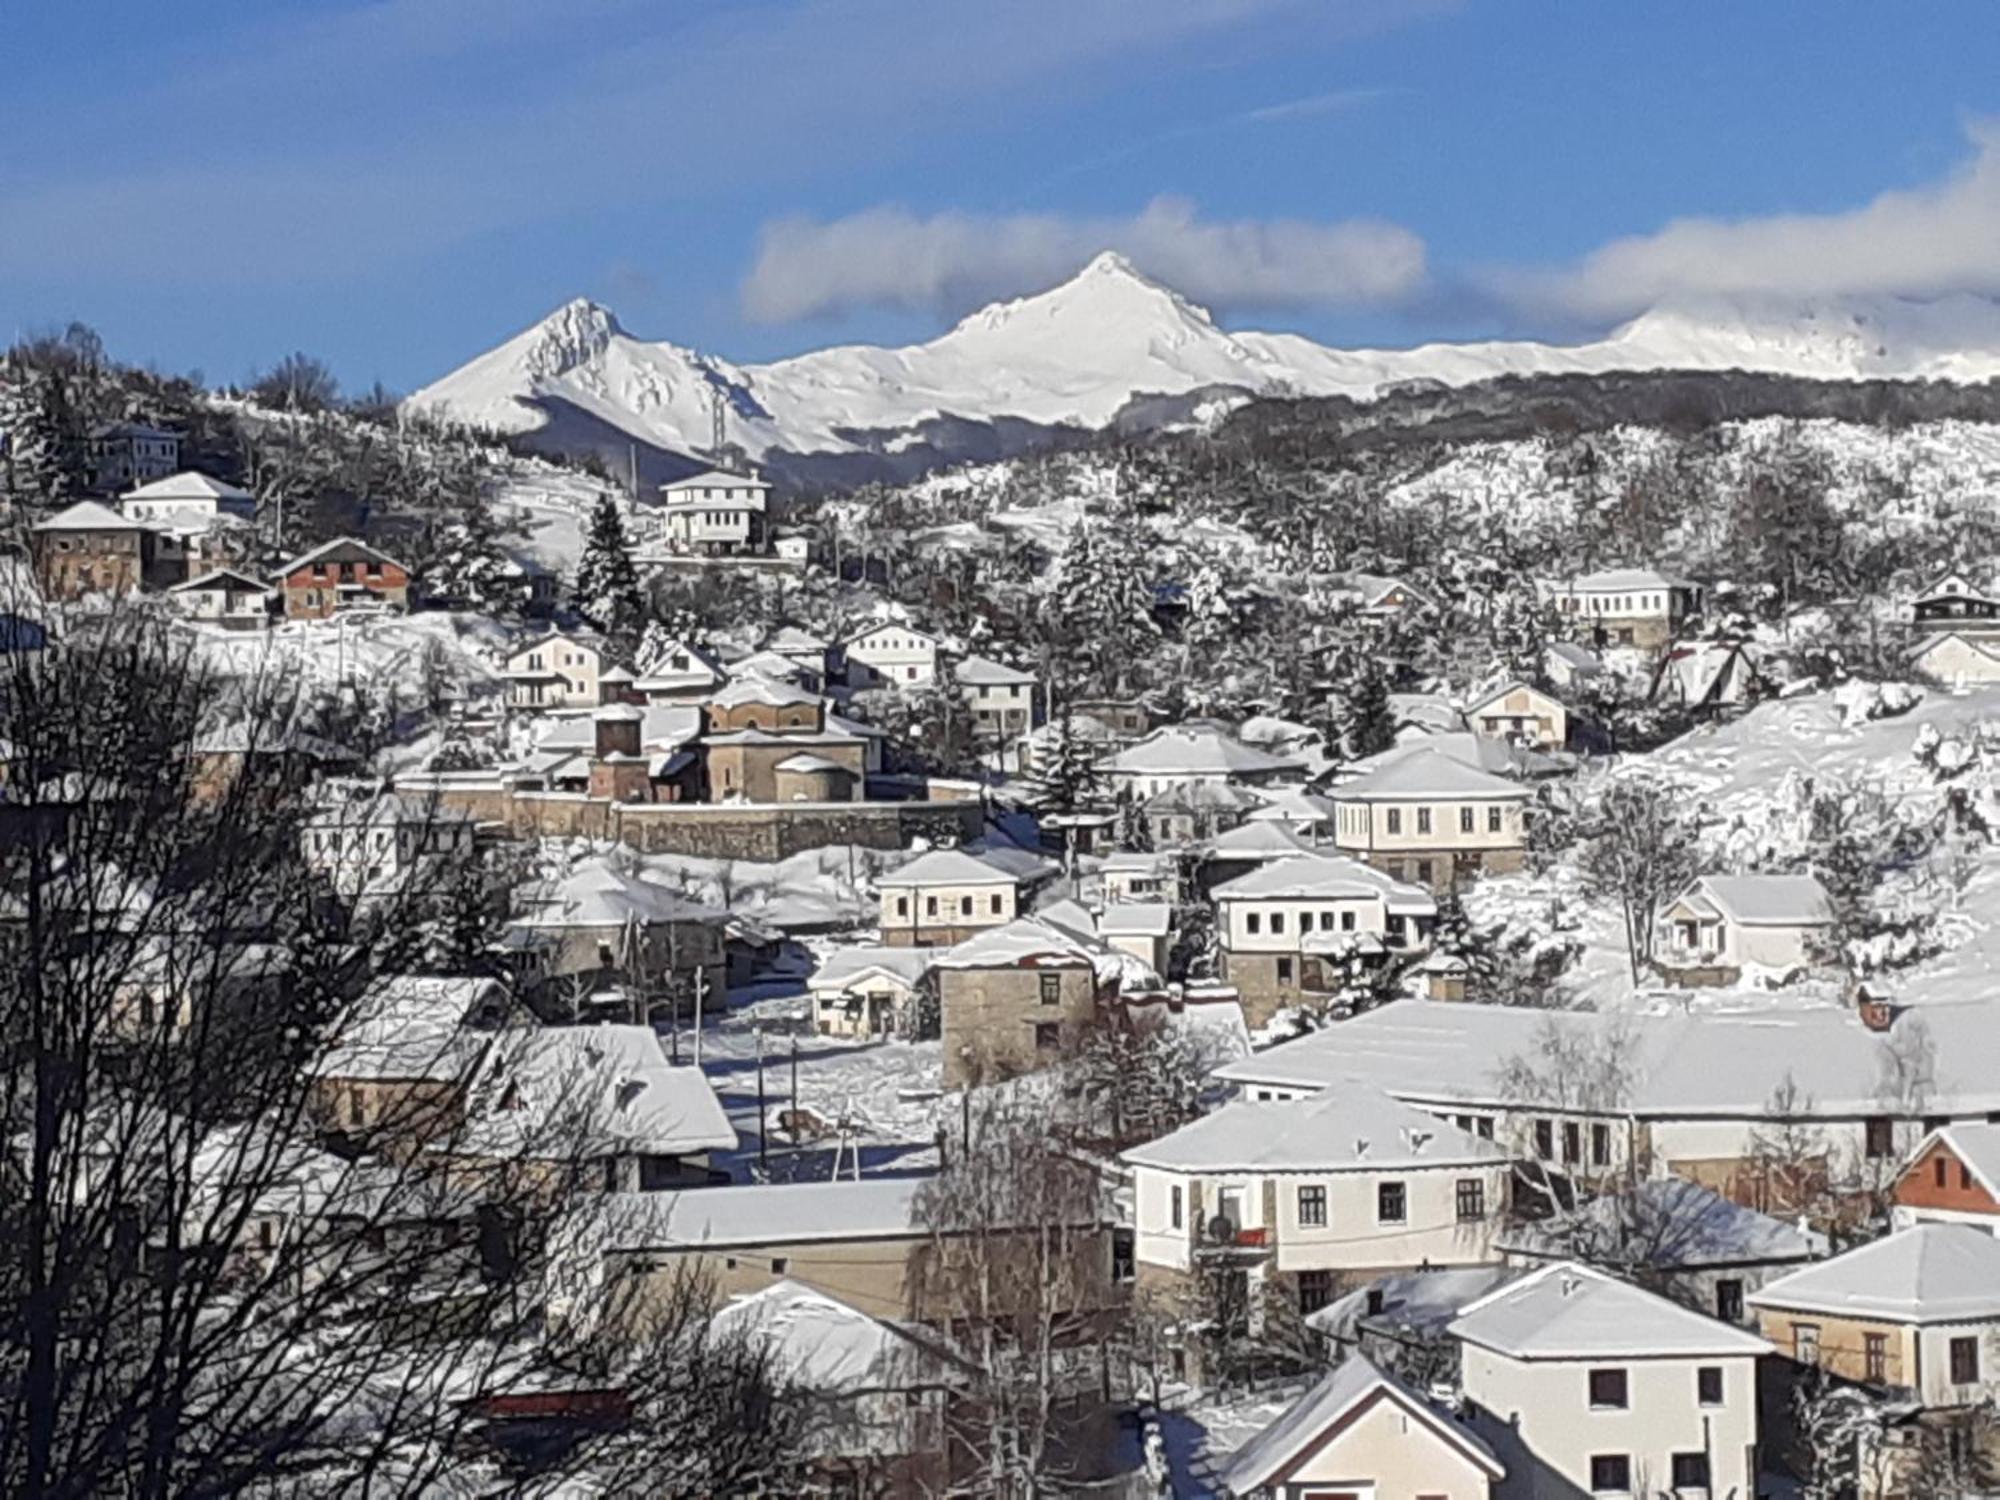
<point x="1014" y="998"/>
<point x="91" y="549"/>
<point x="345" y="573"/>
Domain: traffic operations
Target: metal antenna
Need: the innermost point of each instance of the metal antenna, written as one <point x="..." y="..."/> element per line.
<point x="716" y="407"/>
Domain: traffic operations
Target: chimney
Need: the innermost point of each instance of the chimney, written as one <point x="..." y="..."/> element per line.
<point x="618" y="730"/>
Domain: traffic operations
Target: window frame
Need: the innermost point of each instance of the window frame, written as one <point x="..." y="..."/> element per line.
<point x="1616" y="1394"/>
<point x="1394" y="1192"/>
<point x="1311" y="1205"/>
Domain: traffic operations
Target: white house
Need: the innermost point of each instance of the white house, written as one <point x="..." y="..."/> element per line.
<point x="947" y="895"/>
<point x="1182" y="755"/>
<point x="1624" y="606"/>
<point x="1363" y="1432"/>
<point x="1317" y="1191"/>
<point x="187" y="503"/>
<point x="1722" y="923"/>
<point x="1583" y="1384"/>
<point x="1955" y="602"/>
<point x="1431" y="818"/>
<point x="716" y="513"/>
<point x="1521" y="713"/>
<point x="1128" y="875"/>
<point x="1005" y="701"/>
<point x="891" y="654"/>
<point x="225" y="597"/>
<point x="680" y="672"/>
<point x="558" y="670"/>
<point x="371" y="847"/>
<point x="869" y="990"/>
<point x="1957" y="659"/>
<point x="1144" y="929"/>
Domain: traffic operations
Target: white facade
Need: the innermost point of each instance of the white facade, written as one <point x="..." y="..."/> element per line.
<point x="892" y="656"/>
<point x="1957" y="661"/>
<point x="372" y="848"/>
<point x="1521" y="715"/>
<point x="715" y="512"/>
<point x="225" y="598"/>
<point x="557" y="671"/>
<point x="187" y="503"/>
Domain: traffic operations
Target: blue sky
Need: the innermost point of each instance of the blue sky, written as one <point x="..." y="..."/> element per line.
<point x="398" y="185"/>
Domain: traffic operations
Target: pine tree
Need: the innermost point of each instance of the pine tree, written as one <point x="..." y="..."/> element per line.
<point x="1371" y="725"/>
<point x="1066" y="775"/>
<point x="606" y="591"/>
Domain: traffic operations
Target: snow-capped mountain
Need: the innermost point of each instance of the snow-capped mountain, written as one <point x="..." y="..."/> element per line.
<point x="1077" y="354"/>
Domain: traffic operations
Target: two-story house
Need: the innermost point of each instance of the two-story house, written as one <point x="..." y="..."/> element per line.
<point x="1432" y="819"/>
<point x="716" y="513"/>
<point x="1955" y="603"/>
<point x="1522" y="714"/>
<point x="88" y="548"/>
<point x="680" y="672"/>
<point x="558" y="670"/>
<point x="189" y="503"/>
<point x="890" y="654"/>
<point x="948" y="895"/>
<point x="124" y="453"/>
<point x="1624" y="606"/>
<point x="1187" y="755"/>
<point x="1583" y="1384"/>
<point x="1014" y="999"/>
<point x="1005" y="701"/>
<point x="1293" y="927"/>
<point x="1322" y="1193"/>
<point x="1953" y="1177"/>
<point x="225" y="597"/>
<point x="378" y="845"/>
<point x="340" y="575"/>
<point x="1721" y="923"/>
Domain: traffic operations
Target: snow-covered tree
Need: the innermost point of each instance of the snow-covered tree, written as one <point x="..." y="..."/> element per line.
<point x="1065" y="775"/>
<point x="606" y="591"/>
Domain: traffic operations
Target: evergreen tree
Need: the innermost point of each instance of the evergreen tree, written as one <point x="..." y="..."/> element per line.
<point x="1371" y="725"/>
<point x="606" y="591"/>
<point x="1066" y="775"/>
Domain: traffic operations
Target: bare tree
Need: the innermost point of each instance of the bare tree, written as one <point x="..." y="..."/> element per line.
<point x="1638" y="852"/>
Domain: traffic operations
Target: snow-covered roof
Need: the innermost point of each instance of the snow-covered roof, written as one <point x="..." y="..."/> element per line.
<point x="1324" y="877"/>
<point x="1031" y="942"/>
<point x="562" y="1090"/>
<point x="598" y="895"/>
<point x="1976" y="1145"/>
<point x="1573" y="1311"/>
<point x="1683" y="1065"/>
<point x="88" y="515"/>
<point x="1954" y="586"/>
<point x="1193" y="750"/>
<point x="1481" y="751"/>
<point x="1765" y="900"/>
<point x="1200" y="796"/>
<point x="189" y="484"/>
<point x="819" y="1343"/>
<point x="222" y="578"/>
<point x="353" y="544"/>
<point x="715" y="479"/>
<point x="1426" y="773"/>
<point x="412" y="1027"/>
<point x="1972" y="643"/>
<point x="772" y="665"/>
<point x="1616" y="580"/>
<point x="792" y="638"/>
<point x="1415" y="1303"/>
<point x="1135" y="919"/>
<point x="1346" y="1129"/>
<point x="950" y="867"/>
<point x="771" y="1213"/>
<point x="1927" y="1273"/>
<point x="760" y="690"/>
<point x="1668" y="1224"/>
<point x="816" y="764"/>
<point x="1488" y="698"/>
<point x="1356" y="1385"/>
<point x="982" y="671"/>
<point x="1263" y="841"/>
<point x="844" y="967"/>
<point x="1293" y="804"/>
<point x="1579" y="659"/>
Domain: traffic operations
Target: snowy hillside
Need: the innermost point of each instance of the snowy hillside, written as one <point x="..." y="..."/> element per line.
<point x="1079" y="353"/>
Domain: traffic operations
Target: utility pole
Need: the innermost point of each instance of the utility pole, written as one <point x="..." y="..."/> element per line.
<point x="763" y="1135"/>
<point x="794" y="1101"/>
<point x="700" y="993"/>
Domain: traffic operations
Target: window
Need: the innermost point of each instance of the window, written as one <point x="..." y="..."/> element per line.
<point x="965" y="906"/>
<point x="1729" y="1299"/>
<point x="1465" y="820"/>
<point x="1123" y="1258"/>
<point x="1284" y="971"/>
<point x="1881" y="1138"/>
<point x="1252" y="923"/>
<point x="1048" y="1036"/>
<point x="1175" y="1206"/>
<point x="1610" y="1474"/>
<point x="1965" y="1177"/>
<point x="1315" y="1290"/>
<point x="1545" y="1140"/>
<point x="1312" y="1206"/>
<point x="1607" y="1390"/>
<point x="1600" y="1145"/>
<point x="1424" y="871"/>
<point x="1708" y="1385"/>
<point x="1051" y="989"/>
<point x="994" y="905"/>
<point x="1471" y="1200"/>
<point x="1875" y="1358"/>
<point x="1965" y="1361"/>
<point x="1395" y="820"/>
<point x="1805" y="1343"/>
<point x="1423" y="820"/>
<point x="779" y="1265"/>
<point x="1347" y="921"/>
<point x="1938" y="1170"/>
<point x="1690" y="1471"/>
<point x="1391" y="1204"/>
<point x="1277" y="922"/>
<point x="902" y="906"/>
<point x="1572" y="1141"/>
<point x="930" y="906"/>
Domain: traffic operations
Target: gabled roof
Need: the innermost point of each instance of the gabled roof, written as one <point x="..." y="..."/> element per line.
<point x="88" y="515"/>
<point x="1616" y="580"/>
<point x="1765" y="900"/>
<point x="1428" y="774"/>
<point x="1343" y="1129"/>
<point x="1200" y="796"/>
<point x="1026" y="943"/>
<point x="1573" y="1311"/>
<point x="791" y="638"/>
<point x="715" y="479"/>
<point x="1293" y="804"/>
<point x="1480" y="751"/>
<point x="768" y="1213"/>
<point x="761" y="690"/>
<point x="803" y="763"/>
<point x="598" y="895"/>
<point x="1135" y="919"/>
<point x="1976" y="1145"/>
<point x="1666" y="1224"/>
<point x="1315" y="876"/>
<point x="876" y="627"/>
<point x="844" y="967"/>
<point x="588" y="640"/>
<point x="1930" y="643"/>
<point x="982" y="671"/>
<point x="1487" y="699"/>
<point x="1193" y="750"/>
<point x="948" y="867"/>
<point x="1943" y="588"/>
<point x="189" y="484"/>
<point x="1355" y="1386"/>
<point x="1254" y="840"/>
<point x="1928" y="1273"/>
<point x="221" y="578"/>
<point x="819" y="1343"/>
<point x="349" y="548"/>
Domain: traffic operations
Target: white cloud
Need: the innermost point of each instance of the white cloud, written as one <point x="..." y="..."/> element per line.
<point x="950" y="262"/>
<point x="1918" y="242"/>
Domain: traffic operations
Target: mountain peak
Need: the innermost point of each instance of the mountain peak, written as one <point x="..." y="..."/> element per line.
<point x="574" y="334"/>
<point x="1109" y="293"/>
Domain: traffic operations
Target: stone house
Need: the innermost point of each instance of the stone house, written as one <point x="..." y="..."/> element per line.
<point x="1432" y="819"/>
<point x="1013" y="999"/>
<point x="1721" y="923"/>
<point x="343" y="574"/>
<point x="1635" y="607"/>
<point x="88" y="548"/>
<point x="396" y="1066"/>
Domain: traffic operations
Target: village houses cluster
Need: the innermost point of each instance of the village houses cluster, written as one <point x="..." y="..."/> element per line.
<point x="1514" y="1286"/>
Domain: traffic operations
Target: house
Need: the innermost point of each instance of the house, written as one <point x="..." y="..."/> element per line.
<point x="188" y="503"/>
<point x="1954" y="603"/>
<point x="1432" y="819"/>
<point x="225" y="597"/>
<point x="800" y="647"/>
<point x="1399" y="1321"/>
<point x="890" y="654"/>
<point x="1722" y="923"/>
<point x="1292" y="929"/>
<point x="1624" y="606"/>
<point x="680" y="672"/>
<point x="947" y="895"/>
<point x="396" y="1062"/>
<point x="1571" y="667"/>
<point x="773" y="666"/>
<point x="562" y="669"/>
<point x="1674" y="1236"/>
<point x="1194" y="812"/>
<point x="612" y="933"/>
<point x="1522" y="714"/>
<point x="869" y="991"/>
<point x="1247" y="847"/>
<point x="1584" y="1384"/>
<point x="1953" y="1177"/>
<point x="1915" y="1318"/>
<point x="1318" y="1193"/>
<point x="1377" y="595"/>
<point x="1186" y="755"/>
<point x="341" y="575"/>
<point x="1957" y="659"/>
<point x="1361" y="1431"/>
<point x="716" y="513"/>
<point x="1305" y="813"/>
<point x="1144" y="929"/>
<point x="1126" y="875"/>
<point x="1005" y="702"/>
<point x="375" y="846"/>
<point x="764" y="742"/>
<point x="123" y="453"/>
<point x="1013" y="999"/>
<point x="88" y="548"/>
<point x="1699" y="1100"/>
<point x="1705" y="676"/>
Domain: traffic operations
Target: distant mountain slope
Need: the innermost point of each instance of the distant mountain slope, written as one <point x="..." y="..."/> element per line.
<point x="1078" y="354"/>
